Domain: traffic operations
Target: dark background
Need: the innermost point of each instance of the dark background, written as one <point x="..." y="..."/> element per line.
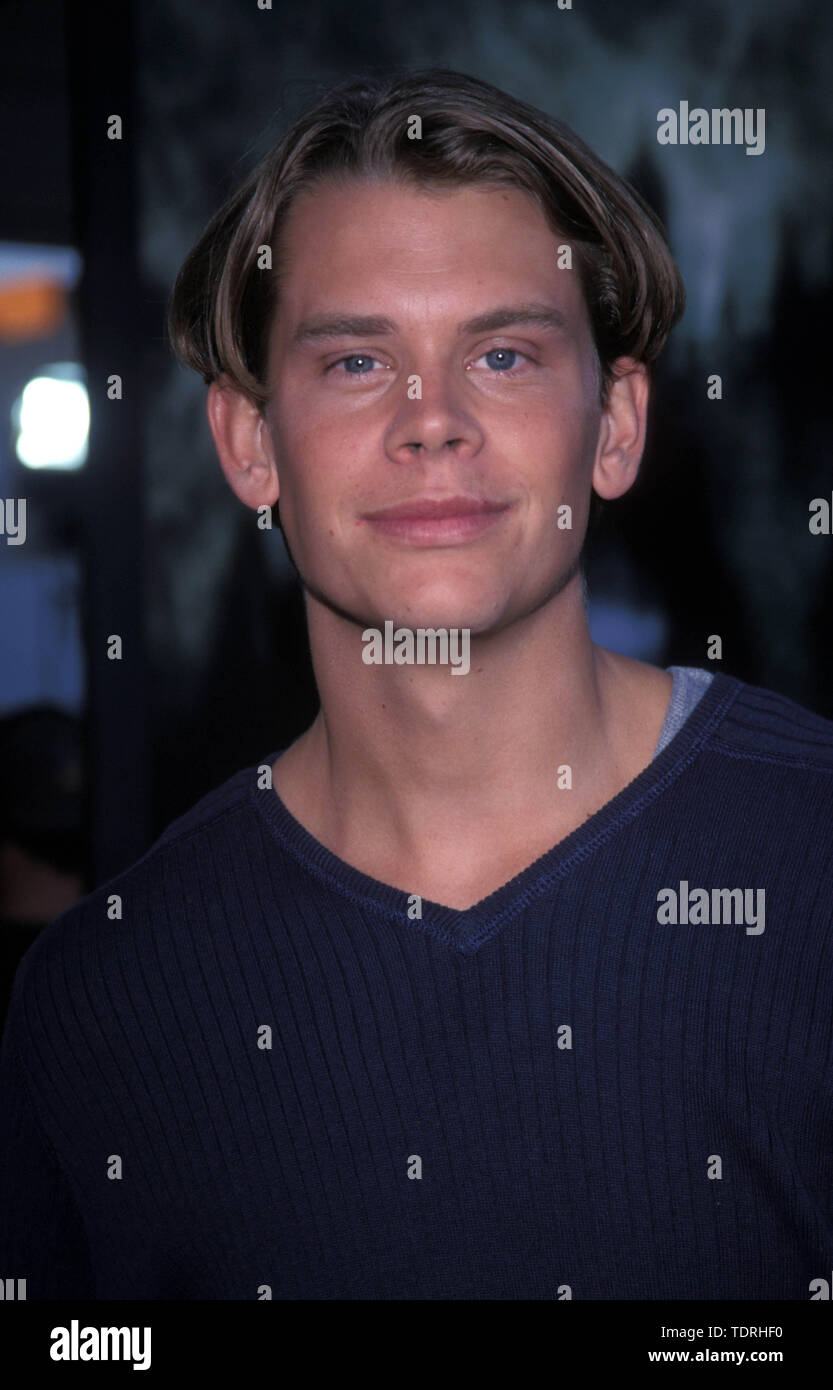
<point x="147" y="541"/>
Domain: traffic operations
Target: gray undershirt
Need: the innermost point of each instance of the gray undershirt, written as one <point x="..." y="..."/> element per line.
<point x="690" y="684"/>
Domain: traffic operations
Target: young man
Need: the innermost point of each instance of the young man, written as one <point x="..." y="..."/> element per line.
<point x="499" y="983"/>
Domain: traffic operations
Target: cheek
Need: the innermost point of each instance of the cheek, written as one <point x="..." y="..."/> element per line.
<point x="548" y="440"/>
<point x="320" y="479"/>
<point x="578" y="415"/>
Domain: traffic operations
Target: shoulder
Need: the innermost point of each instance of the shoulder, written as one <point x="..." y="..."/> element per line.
<point x="766" y="774"/>
<point x="109" y="944"/>
<point x="762" y="726"/>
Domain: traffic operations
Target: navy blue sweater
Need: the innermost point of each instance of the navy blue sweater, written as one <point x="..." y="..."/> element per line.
<point x="243" y="1068"/>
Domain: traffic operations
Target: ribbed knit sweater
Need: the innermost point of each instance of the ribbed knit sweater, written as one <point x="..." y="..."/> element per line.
<point x="245" y="1069"/>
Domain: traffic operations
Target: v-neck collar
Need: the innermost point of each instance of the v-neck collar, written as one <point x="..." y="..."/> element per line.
<point x="466" y="929"/>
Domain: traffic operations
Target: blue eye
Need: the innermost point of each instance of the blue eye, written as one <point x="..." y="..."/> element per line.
<point x="503" y="361"/>
<point x="500" y="355"/>
<point x="355" y="357"/>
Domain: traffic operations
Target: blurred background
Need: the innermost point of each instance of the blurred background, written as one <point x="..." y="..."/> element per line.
<point x="120" y="537"/>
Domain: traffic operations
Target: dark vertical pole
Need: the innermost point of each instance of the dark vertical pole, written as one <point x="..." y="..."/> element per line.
<point x="101" y="54"/>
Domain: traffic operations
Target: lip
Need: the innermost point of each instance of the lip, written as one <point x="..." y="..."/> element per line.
<point x="437" y="520"/>
<point x="432" y="508"/>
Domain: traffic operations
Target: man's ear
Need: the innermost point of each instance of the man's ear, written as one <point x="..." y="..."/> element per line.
<point x="622" y="429"/>
<point x="243" y="444"/>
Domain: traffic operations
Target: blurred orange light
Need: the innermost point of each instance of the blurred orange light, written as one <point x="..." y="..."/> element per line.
<point x="31" y="308"/>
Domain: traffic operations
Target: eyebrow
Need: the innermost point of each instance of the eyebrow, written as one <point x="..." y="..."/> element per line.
<point x="363" y="325"/>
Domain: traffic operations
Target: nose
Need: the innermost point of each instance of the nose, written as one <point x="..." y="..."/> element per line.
<point x="432" y="420"/>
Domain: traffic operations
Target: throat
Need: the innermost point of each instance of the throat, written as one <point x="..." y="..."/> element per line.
<point x="483" y="846"/>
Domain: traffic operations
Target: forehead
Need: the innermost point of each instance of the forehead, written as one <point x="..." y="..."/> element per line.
<point x="357" y="241"/>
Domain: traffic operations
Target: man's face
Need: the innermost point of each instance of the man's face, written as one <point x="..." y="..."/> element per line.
<point x="508" y="414"/>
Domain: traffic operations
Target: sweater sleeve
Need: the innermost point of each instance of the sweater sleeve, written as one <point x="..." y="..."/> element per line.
<point x="42" y="1237"/>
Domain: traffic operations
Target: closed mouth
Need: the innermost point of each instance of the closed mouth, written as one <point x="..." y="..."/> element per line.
<point x="436" y="509"/>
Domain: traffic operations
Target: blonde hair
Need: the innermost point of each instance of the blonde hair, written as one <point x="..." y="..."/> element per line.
<point x="222" y="305"/>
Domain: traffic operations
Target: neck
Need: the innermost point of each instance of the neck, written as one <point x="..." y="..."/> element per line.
<point x="398" y="751"/>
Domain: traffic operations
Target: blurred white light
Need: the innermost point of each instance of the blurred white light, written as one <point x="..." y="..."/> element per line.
<point x="52" y="419"/>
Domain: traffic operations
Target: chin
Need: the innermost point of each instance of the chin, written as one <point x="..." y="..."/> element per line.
<point x="464" y="607"/>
